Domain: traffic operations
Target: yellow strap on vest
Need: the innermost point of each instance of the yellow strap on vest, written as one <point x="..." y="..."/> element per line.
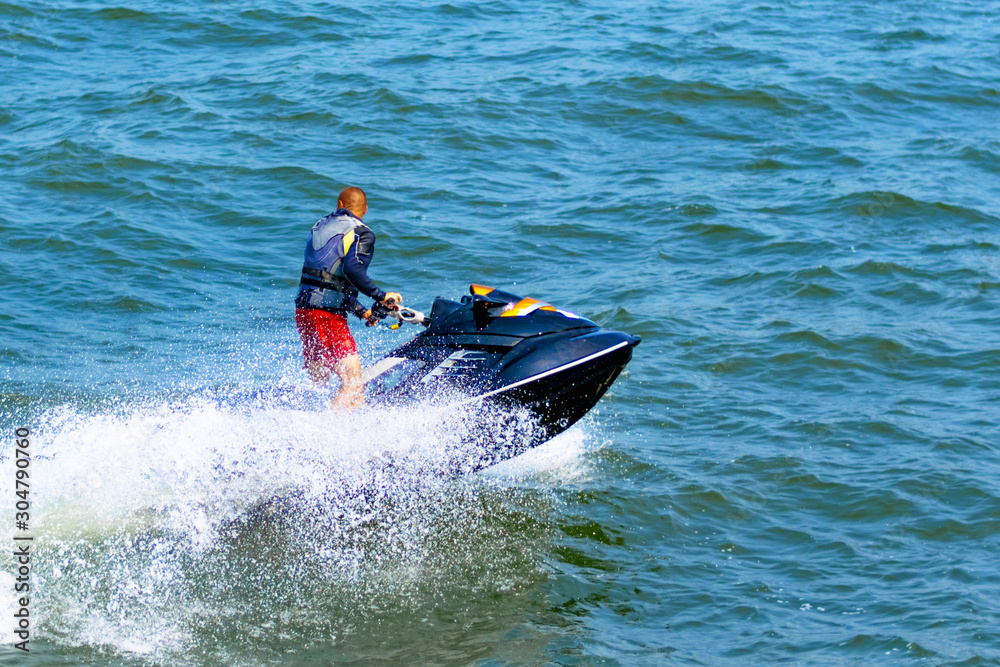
<point x="348" y="240"/>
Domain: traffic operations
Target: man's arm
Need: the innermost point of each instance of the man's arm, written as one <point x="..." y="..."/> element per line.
<point x="354" y="306"/>
<point x="359" y="256"/>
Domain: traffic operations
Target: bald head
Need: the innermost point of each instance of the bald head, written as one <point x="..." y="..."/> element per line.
<point x="354" y="200"/>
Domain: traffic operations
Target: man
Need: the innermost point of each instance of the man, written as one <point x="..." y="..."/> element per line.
<point x="338" y="252"/>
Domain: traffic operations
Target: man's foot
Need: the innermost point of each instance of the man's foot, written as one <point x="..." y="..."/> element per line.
<point x="347" y="401"/>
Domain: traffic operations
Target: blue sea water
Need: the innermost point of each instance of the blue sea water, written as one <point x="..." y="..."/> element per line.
<point x="795" y="204"/>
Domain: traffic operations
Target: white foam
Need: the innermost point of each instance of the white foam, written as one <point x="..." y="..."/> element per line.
<point x="133" y="511"/>
<point x="563" y="457"/>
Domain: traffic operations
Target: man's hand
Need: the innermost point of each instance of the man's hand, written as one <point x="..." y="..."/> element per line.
<point x="369" y="318"/>
<point x="392" y="300"/>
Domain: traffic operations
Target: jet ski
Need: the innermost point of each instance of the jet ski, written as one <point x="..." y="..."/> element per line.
<point x="513" y="372"/>
<point x="496" y="353"/>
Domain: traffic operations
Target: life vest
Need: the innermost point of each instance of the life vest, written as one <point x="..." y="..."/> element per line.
<point x="323" y="284"/>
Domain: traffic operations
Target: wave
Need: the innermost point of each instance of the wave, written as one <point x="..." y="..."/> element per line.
<point x="655" y="88"/>
<point x="124" y="14"/>
<point x="960" y="93"/>
<point x="879" y="204"/>
<point x="910" y="35"/>
<point x="872" y="267"/>
<point x="724" y="233"/>
<point x="8" y="9"/>
<point x="271" y="499"/>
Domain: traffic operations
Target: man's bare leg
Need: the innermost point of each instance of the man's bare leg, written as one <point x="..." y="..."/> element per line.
<point x="352" y="387"/>
<point x="318" y="371"/>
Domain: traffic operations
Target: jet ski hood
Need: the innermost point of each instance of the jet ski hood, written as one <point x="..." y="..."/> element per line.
<point x="492" y="312"/>
<point x="494" y="341"/>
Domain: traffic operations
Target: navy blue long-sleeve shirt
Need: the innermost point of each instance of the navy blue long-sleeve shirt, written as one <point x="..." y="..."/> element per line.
<point x="359" y="256"/>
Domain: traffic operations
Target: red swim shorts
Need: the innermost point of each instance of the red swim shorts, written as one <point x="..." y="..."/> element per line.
<point x="325" y="336"/>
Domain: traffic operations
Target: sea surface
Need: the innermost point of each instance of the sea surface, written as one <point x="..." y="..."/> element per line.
<point x="796" y="204"/>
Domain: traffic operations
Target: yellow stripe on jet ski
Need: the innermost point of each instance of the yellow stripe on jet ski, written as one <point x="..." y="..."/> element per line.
<point x="481" y="290"/>
<point x="526" y="307"/>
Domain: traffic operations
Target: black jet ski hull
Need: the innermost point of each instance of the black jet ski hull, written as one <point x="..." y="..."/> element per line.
<point x="562" y="396"/>
<point x="557" y="401"/>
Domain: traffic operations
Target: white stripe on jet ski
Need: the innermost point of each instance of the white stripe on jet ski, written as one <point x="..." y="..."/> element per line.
<point x="382" y="366"/>
<point x="547" y="373"/>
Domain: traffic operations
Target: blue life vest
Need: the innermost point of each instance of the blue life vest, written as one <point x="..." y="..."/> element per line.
<point x="323" y="284"/>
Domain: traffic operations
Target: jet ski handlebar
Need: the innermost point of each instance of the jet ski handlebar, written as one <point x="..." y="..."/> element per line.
<point x="410" y="316"/>
<point x="402" y="313"/>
